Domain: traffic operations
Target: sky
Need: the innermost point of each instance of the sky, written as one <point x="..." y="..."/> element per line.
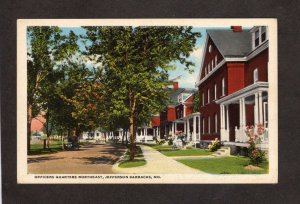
<point x="185" y="80"/>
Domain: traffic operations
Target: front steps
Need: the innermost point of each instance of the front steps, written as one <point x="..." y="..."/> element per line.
<point x="222" y="152"/>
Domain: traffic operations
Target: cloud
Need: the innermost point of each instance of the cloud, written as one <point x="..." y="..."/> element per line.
<point x="188" y="80"/>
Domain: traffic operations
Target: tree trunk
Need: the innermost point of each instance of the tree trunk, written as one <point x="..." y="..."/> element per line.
<point x="123" y="134"/>
<point x="29" y="119"/>
<point x="132" y="140"/>
<point x="44" y="144"/>
<point x="126" y="137"/>
<point x="62" y="142"/>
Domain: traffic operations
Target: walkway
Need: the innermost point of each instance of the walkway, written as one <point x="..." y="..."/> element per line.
<point x="157" y="163"/>
<point x="90" y="159"/>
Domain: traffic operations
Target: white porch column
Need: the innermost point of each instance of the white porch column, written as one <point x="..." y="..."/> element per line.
<point x="175" y="127"/>
<point x="256" y="109"/>
<point x="184" y="127"/>
<point x="260" y="107"/>
<point x="241" y="113"/>
<point x="184" y="110"/>
<point x="227" y="118"/>
<point x="146" y="134"/>
<point x="194" y="128"/>
<point x="172" y="129"/>
<point x="244" y="113"/>
<point x="199" y="127"/>
<point x="188" y="128"/>
<point x="222" y="117"/>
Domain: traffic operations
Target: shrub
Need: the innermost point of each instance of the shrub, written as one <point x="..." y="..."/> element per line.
<point x="215" y="144"/>
<point x="256" y="155"/>
<point x="170" y="141"/>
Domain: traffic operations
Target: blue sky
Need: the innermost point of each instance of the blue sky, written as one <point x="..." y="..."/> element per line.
<point x="186" y="79"/>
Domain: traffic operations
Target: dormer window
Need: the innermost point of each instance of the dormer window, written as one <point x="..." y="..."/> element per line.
<point x="263" y="33"/>
<point x="259" y="36"/>
<point x="256" y="38"/>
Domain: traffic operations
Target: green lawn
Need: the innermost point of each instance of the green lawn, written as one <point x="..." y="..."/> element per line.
<point x="224" y="165"/>
<point x="134" y="163"/>
<point x="186" y="152"/>
<point x="37" y="149"/>
<point x="170" y="152"/>
<point x="138" y="161"/>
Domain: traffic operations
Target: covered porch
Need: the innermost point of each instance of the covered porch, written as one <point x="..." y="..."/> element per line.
<point x="189" y="126"/>
<point x="145" y="134"/>
<point x="246" y="107"/>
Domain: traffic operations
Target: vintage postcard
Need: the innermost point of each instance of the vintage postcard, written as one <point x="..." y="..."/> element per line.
<point x="147" y="101"/>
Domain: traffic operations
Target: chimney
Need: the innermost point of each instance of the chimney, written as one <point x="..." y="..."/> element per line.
<point x="175" y="85"/>
<point x="236" y="28"/>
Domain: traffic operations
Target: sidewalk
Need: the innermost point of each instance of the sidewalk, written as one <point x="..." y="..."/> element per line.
<point x="157" y="163"/>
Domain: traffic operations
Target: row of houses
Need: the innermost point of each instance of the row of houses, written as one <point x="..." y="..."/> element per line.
<point x="232" y="85"/>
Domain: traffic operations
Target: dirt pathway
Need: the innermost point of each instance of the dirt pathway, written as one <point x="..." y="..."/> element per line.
<point x="90" y="159"/>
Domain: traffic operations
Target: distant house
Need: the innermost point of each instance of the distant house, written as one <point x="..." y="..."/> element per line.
<point x="233" y="84"/>
<point x="173" y="118"/>
<point x="37" y="124"/>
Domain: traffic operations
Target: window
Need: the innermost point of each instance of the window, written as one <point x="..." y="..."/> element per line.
<point x="255" y="75"/>
<point x="215" y="91"/>
<point x="223" y="86"/>
<point x="212" y="64"/>
<point x="256" y="38"/>
<point x="208" y="124"/>
<point x="216" y="123"/>
<point x="208" y="96"/>
<point x="263" y="33"/>
<point x="202" y="99"/>
<point x="216" y="60"/>
<point x="209" y="48"/>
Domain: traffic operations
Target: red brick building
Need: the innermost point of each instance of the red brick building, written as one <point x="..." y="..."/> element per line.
<point x="174" y="118"/>
<point x="233" y="83"/>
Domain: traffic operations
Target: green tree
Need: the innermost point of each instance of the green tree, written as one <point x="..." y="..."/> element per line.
<point x="135" y="64"/>
<point x="196" y="102"/>
<point x="47" y="51"/>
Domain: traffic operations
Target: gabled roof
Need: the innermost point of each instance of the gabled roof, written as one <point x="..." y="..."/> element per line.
<point x="174" y="94"/>
<point x="231" y="44"/>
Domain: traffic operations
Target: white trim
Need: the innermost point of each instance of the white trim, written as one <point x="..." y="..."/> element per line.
<point x="247" y="91"/>
<point x="251" y="55"/>
<point x="203" y="57"/>
<point x="184" y="101"/>
<point x="213" y="71"/>
<point x="258" y="50"/>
